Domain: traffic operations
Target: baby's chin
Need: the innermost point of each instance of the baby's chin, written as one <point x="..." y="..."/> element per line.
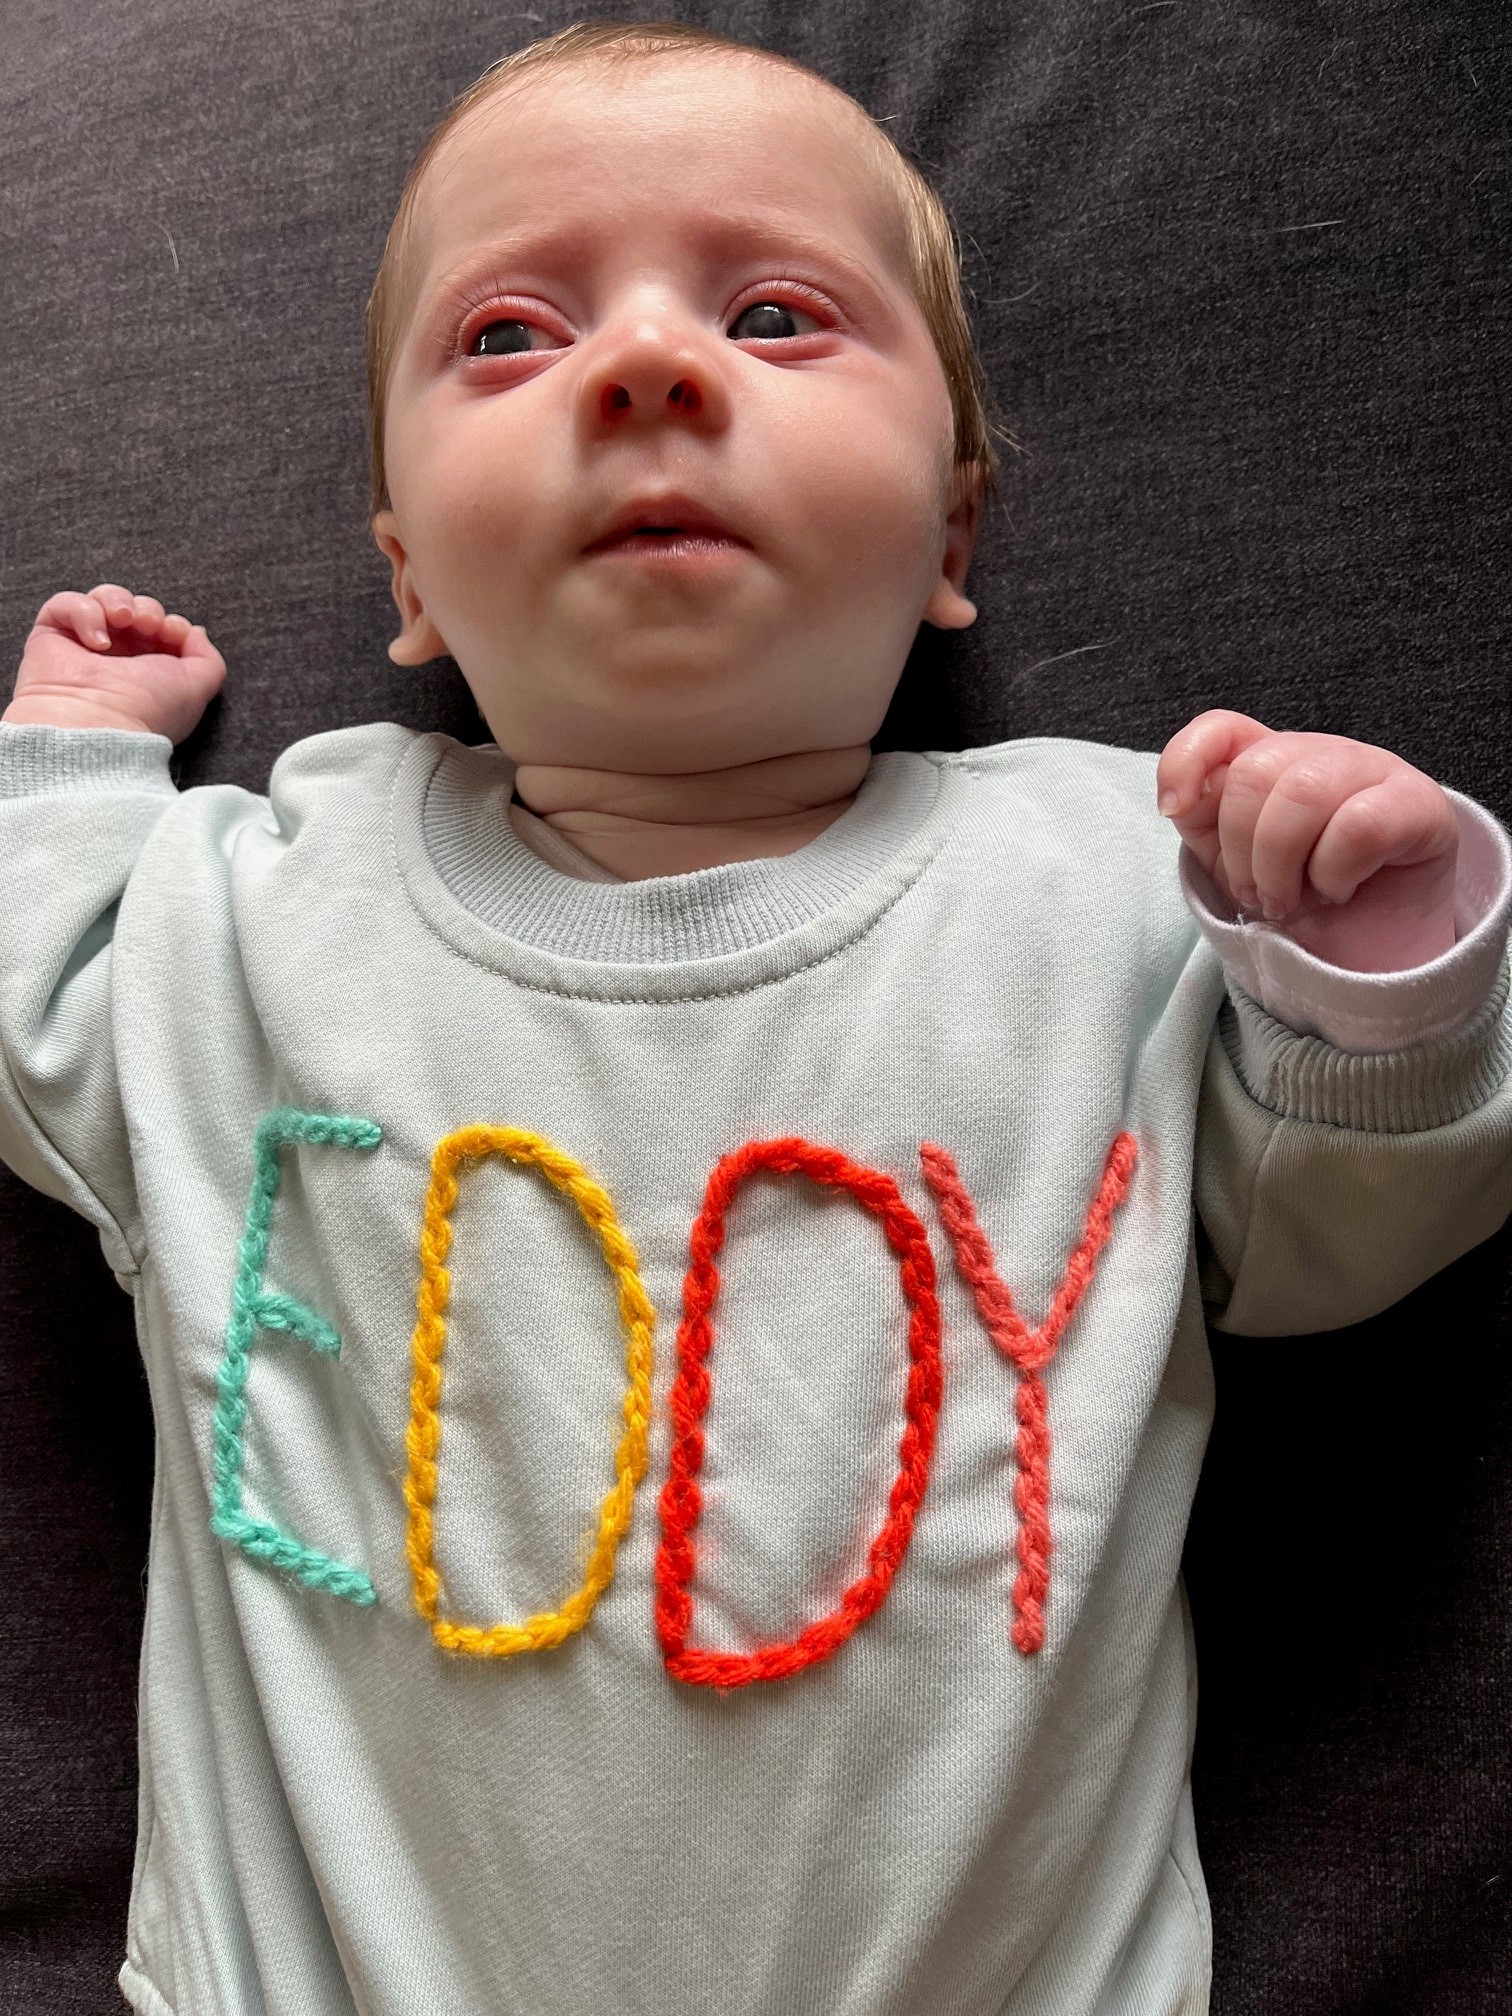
<point x="622" y="716"/>
<point x="662" y="679"/>
<point x="655" y="668"/>
<point x="668" y="714"/>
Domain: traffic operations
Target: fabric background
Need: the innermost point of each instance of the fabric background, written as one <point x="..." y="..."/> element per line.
<point x="1237" y="277"/>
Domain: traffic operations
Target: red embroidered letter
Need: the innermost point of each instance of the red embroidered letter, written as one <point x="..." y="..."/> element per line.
<point x="681" y="1501"/>
<point x="1027" y="1350"/>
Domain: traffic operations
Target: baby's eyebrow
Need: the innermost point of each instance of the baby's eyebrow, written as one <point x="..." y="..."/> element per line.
<point x="718" y="240"/>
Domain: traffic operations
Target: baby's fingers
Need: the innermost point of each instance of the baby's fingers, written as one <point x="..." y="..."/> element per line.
<point x="1269" y="864"/>
<point x="1400" y="822"/>
<point x="78" y="616"/>
<point x="141" y="614"/>
<point x="1206" y="745"/>
<point x="197" y="645"/>
<point x="109" y="614"/>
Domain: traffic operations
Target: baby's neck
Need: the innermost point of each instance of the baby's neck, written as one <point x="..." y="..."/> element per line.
<point x="641" y="825"/>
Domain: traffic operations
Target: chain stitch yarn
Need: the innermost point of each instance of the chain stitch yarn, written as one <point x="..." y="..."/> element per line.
<point x="423" y="1437"/>
<point x="253" y="1309"/>
<point x="1028" y="1351"/>
<point x="681" y="1501"/>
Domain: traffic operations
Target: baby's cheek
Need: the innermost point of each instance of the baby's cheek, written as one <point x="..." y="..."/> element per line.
<point x="483" y="548"/>
<point x="874" y="501"/>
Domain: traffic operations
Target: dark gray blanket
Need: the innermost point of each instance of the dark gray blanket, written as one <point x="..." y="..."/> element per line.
<point x="1238" y="278"/>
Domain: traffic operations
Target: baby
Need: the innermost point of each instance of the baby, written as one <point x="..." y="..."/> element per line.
<point x="412" y="1100"/>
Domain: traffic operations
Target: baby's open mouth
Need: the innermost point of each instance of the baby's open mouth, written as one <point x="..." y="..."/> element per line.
<point x="678" y="529"/>
<point x="667" y="545"/>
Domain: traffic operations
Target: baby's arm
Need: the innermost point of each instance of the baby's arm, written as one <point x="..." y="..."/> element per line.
<point x="1355" y="1130"/>
<point x="107" y="683"/>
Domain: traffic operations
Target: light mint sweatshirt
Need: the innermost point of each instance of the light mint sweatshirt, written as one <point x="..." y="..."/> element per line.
<point x="990" y="955"/>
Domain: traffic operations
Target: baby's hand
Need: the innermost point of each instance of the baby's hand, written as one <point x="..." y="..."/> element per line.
<point x="111" y="659"/>
<point x="1348" y="845"/>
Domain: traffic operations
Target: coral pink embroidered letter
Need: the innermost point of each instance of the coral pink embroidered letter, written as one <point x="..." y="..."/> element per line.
<point x="1029" y="1351"/>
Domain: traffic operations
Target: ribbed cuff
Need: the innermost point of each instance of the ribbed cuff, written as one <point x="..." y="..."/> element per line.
<point x="36" y="758"/>
<point x="1373" y="1012"/>
<point x="1403" y="1091"/>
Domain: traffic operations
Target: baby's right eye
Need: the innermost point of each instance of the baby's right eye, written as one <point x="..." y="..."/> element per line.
<point x="506" y="337"/>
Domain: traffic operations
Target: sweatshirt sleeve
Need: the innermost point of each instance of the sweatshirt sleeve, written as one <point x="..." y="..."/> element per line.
<point x="1354" y="1129"/>
<point x="76" y="808"/>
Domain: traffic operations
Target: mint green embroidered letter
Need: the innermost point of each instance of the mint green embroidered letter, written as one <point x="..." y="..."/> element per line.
<point x="253" y="1308"/>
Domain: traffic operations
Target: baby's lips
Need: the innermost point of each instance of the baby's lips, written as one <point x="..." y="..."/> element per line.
<point x="664" y="509"/>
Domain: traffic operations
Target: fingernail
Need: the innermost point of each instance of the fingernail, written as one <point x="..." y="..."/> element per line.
<point x="1168" y="803"/>
<point x="1274" y="910"/>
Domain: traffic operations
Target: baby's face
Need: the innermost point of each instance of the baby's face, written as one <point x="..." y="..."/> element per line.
<point x="676" y="289"/>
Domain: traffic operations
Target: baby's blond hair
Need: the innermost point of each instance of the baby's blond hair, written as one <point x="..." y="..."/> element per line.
<point x="933" y="252"/>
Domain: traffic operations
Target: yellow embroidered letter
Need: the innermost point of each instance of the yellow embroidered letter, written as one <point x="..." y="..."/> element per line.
<point x="423" y="1440"/>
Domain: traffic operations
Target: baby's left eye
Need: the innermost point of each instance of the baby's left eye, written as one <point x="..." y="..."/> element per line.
<point x="506" y="336"/>
<point x="765" y="319"/>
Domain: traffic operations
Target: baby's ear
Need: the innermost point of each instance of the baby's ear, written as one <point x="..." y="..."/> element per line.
<point x="419" y="640"/>
<point x="947" y="607"/>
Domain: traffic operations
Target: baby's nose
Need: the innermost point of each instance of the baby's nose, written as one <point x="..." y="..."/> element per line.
<point x="683" y="397"/>
<point x="652" y="374"/>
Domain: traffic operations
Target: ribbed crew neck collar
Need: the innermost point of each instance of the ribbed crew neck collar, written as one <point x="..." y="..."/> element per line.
<point x="471" y="844"/>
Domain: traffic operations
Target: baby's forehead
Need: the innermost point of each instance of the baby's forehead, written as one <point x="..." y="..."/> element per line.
<point x="696" y="106"/>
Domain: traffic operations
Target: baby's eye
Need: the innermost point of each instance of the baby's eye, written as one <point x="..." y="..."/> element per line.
<point x="505" y="337"/>
<point x="765" y="319"/>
